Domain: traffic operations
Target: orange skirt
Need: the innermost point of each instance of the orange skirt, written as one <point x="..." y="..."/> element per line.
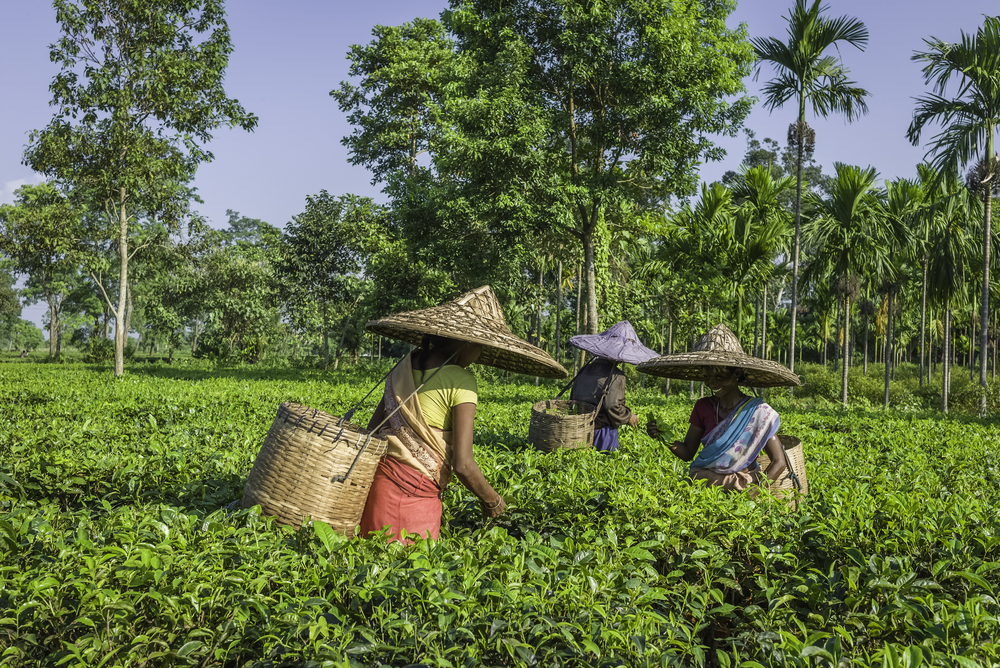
<point x="401" y="498"/>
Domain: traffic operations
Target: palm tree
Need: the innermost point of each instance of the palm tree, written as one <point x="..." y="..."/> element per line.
<point x="853" y="238"/>
<point x="806" y="75"/>
<point x="969" y="121"/>
<point x="759" y="230"/>
<point x="903" y="202"/>
<point x="947" y="274"/>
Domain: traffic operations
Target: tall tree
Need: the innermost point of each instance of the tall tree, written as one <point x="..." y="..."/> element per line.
<point x="969" y="122"/>
<point x="854" y="239"/>
<point x="552" y="116"/>
<point x="138" y="94"/>
<point x="619" y="101"/>
<point x="809" y="77"/>
<point x="323" y="248"/>
<point x="952" y="253"/>
<point x="39" y="233"/>
<point x="759" y="233"/>
<point x="10" y="305"/>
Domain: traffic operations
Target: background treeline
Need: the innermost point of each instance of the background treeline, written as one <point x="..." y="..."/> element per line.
<point x="544" y="148"/>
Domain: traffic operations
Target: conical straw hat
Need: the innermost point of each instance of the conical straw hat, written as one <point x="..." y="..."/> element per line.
<point x="619" y="343"/>
<point x="719" y="347"/>
<point x="476" y="316"/>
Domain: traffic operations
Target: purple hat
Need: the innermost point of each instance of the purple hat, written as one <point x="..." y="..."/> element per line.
<point x="620" y="343"/>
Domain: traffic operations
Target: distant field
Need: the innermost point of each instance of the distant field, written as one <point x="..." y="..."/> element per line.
<point x="115" y="550"/>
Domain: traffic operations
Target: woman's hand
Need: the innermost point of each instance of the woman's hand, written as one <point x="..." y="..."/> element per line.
<point x="494" y="509"/>
<point x="633" y="420"/>
<point x="652" y="429"/>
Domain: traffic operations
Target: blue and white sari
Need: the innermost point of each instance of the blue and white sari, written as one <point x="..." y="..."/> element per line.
<point x="735" y="443"/>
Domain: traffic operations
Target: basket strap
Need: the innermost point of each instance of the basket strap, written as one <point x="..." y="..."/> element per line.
<point x="573" y="379"/>
<point x="349" y="414"/>
<point x="371" y="433"/>
<point x="791" y="469"/>
<point x="607" y="386"/>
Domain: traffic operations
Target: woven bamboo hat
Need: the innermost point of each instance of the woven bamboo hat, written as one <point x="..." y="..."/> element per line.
<point x="719" y="347"/>
<point x="476" y="316"/>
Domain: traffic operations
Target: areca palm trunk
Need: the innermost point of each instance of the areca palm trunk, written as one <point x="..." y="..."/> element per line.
<point x="847" y="322"/>
<point x="798" y="235"/>
<point x="985" y="312"/>
<point x="946" y="361"/>
<point x="887" y="351"/>
<point x="763" y="327"/>
<point x="559" y="304"/>
<point x="923" y="320"/>
<point x="867" y="327"/>
<point x="838" y="347"/>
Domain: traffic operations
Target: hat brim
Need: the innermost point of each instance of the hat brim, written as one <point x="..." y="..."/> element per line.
<point x="501" y="349"/>
<point x="693" y="366"/>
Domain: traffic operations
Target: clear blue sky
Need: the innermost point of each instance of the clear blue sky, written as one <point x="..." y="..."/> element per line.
<point x="288" y="56"/>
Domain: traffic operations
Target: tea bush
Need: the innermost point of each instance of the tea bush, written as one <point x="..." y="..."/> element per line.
<point x="116" y="550"/>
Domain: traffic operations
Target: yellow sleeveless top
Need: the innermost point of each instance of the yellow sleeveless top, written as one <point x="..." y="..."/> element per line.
<point x="449" y="387"/>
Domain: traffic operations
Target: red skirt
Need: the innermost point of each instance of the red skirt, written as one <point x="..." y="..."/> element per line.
<point x="401" y="498"/>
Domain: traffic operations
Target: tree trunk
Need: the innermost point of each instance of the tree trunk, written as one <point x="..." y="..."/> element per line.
<point x="326" y="338"/>
<point x="691" y="391"/>
<point x="887" y="350"/>
<point x="591" y="271"/>
<point x="53" y="325"/>
<point x="340" y="344"/>
<point x="670" y="347"/>
<point x="923" y="319"/>
<point x="867" y="326"/>
<point x="847" y="324"/>
<point x="756" y="325"/>
<point x="838" y="347"/>
<point x="120" y="333"/>
<point x="763" y="327"/>
<point x="197" y="333"/>
<point x="798" y="237"/>
<point x="579" y="305"/>
<point x="945" y="361"/>
<point x="985" y="306"/>
<point x="128" y="311"/>
<point x="541" y="303"/>
<point x="557" y="348"/>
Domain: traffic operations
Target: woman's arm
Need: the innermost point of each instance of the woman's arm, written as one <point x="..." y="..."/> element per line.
<point x="777" y="456"/>
<point x="688" y="448"/>
<point x="464" y="464"/>
<point x="685" y="449"/>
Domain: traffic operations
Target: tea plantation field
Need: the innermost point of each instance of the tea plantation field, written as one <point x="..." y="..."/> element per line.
<point x="116" y="550"/>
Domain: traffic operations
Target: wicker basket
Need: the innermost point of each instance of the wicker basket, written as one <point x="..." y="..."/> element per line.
<point x="312" y="466"/>
<point x="786" y="483"/>
<point x="553" y="425"/>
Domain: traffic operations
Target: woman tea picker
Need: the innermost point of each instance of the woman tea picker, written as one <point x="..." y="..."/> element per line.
<point x="429" y="407"/>
<point x="732" y="426"/>
<point x="602" y="383"/>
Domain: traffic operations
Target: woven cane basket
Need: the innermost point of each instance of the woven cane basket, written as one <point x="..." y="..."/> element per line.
<point x="786" y="485"/>
<point x="312" y="466"/>
<point x="553" y="425"/>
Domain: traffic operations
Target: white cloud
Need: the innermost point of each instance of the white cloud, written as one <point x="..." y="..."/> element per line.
<point x="7" y="191"/>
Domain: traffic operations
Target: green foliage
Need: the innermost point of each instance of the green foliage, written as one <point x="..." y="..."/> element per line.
<point x="115" y="546"/>
<point x="138" y="93"/>
<point x="25" y="336"/>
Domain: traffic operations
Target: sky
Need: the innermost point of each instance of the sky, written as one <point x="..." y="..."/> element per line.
<point x="288" y="57"/>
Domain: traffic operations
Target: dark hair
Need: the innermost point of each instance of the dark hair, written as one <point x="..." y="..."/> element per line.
<point x="741" y="377"/>
<point x="428" y="343"/>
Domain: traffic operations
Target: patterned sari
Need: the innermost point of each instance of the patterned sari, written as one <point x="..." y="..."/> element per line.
<point x="731" y="449"/>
